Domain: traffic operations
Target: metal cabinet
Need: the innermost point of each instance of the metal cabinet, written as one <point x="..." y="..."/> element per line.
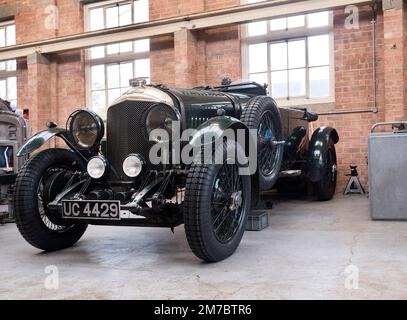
<point x="388" y="172"/>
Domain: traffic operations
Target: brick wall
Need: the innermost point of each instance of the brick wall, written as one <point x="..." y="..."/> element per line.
<point x="354" y="90"/>
<point x="63" y="85"/>
<point x="70" y="93"/>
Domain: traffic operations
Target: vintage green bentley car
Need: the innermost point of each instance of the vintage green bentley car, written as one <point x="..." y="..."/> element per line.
<point x="114" y="177"/>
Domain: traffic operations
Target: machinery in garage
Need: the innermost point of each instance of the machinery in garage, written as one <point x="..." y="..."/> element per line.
<point x="13" y="134"/>
<point x="388" y="171"/>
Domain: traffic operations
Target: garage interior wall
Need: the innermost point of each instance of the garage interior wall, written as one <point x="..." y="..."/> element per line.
<point x="53" y="86"/>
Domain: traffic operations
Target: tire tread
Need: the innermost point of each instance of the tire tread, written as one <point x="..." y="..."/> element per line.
<point x="24" y="202"/>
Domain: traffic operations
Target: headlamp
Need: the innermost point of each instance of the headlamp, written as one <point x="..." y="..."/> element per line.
<point x="97" y="167"/>
<point x="86" y="128"/>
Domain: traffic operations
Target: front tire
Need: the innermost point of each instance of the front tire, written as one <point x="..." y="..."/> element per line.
<point x="33" y="192"/>
<point x="216" y="207"/>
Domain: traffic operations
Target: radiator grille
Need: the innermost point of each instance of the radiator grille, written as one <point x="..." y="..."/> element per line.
<point x="125" y="133"/>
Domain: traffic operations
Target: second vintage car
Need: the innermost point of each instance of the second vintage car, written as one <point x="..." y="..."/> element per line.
<point x="110" y="179"/>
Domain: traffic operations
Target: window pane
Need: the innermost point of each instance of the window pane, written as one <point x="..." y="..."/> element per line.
<point x="142" y="45"/>
<point x="318" y="19"/>
<point x="278" y="56"/>
<point x="260" y="78"/>
<point x="113" y="94"/>
<point x="318" y="50"/>
<point x="297" y="82"/>
<point x="113" y="76"/>
<point x="141" y="11"/>
<point x="11" y="65"/>
<point x="124" y="14"/>
<point x="126" y="73"/>
<point x="12" y="88"/>
<point x="258" y="58"/>
<point x="2" y="37"/>
<point x="99" y="103"/>
<point x="142" y="68"/>
<point x="96" y="19"/>
<point x="110" y="80"/>
<point x="112" y="17"/>
<point x="319" y="82"/>
<point x="98" y="77"/>
<point x="278" y="24"/>
<point x="113" y="48"/>
<point x="98" y="99"/>
<point x="256" y="28"/>
<point x="3" y="89"/>
<point x="2" y="65"/>
<point x="11" y="35"/>
<point x="97" y="52"/>
<point x="126" y="46"/>
<point x="295" y="22"/>
<point x="296" y="54"/>
<point x="279" y="87"/>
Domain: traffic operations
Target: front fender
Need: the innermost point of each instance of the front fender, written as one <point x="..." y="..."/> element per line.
<point x="214" y="129"/>
<point x="317" y="153"/>
<point x="38" y="140"/>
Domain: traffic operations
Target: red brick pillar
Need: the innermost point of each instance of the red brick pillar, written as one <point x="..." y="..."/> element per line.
<point x="394" y="62"/>
<point x="39" y="91"/>
<point x="185" y="58"/>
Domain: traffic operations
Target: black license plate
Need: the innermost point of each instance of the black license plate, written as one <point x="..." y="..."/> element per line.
<point x="88" y="209"/>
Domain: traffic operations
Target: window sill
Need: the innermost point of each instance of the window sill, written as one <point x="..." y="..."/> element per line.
<point x="316" y="105"/>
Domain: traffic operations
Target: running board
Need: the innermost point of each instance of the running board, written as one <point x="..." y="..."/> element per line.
<point x="290" y="173"/>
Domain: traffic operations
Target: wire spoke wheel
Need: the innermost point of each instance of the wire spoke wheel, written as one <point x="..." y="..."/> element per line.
<point x="216" y="205"/>
<point x="227" y="203"/>
<point x="45" y="196"/>
<point x="268" y="151"/>
<point x="262" y="114"/>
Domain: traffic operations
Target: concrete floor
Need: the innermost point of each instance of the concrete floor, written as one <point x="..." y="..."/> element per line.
<point x="304" y="254"/>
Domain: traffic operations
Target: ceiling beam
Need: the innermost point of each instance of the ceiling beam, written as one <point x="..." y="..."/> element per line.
<point x="228" y="16"/>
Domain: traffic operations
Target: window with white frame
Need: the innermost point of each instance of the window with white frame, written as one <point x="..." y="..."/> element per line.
<point x="110" y="67"/>
<point x="8" y="69"/>
<point x="293" y="55"/>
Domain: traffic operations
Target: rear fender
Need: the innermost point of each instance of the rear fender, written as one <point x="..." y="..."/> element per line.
<point x="317" y="153"/>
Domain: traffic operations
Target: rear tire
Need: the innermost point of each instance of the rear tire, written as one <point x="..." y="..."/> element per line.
<point x="262" y="114"/>
<point x="214" y="221"/>
<point x="28" y="201"/>
<point x="325" y="189"/>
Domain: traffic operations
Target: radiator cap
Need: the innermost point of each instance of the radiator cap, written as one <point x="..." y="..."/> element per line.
<point x="138" y="82"/>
